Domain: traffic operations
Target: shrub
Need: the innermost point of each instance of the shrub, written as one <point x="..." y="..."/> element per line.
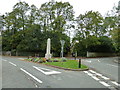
<point x="29" y="59"/>
<point x="64" y="60"/>
<point x="36" y="59"/>
<point x="43" y="59"/>
<point x="49" y="60"/>
<point x="55" y="60"/>
<point x="40" y="61"/>
<point x="33" y="59"/>
<point x="105" y="45"/>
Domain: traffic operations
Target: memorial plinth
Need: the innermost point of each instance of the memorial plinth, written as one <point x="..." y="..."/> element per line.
<point x="48" y="55"/>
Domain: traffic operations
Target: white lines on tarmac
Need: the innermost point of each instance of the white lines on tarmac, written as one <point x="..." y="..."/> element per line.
<point x="91" y="75"/>
<point x="4" y="60"/>
<point x="12" y="64"/>
<point x="46" y="71"/>
<point x="102" y="79"/>
<point x="36" y="85"/>
<point x="112" y="65"/>
<point x="20" y="58"/>
<point x="105" y="84"/>
<point x="115" y="83"/>
<point x="88" y="61"/>
<point x="95" y="75"/>
<point x="39" y="81"/>
<point x="105" y="78"/>
<point x="98" y="60"/>
<point x="98" y="74"/>
<point x="95" y="78"/>
<point x="92" y="71"/>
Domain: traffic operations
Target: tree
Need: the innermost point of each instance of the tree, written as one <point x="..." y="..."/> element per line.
<point x="21" y="10"/>
<point x="56" y="16"/>
<point x="104" y="46"/>
<point x="89" y="28"/>
<point x="114" y="26"/>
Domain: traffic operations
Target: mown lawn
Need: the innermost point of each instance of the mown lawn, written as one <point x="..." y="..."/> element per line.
<point x="70" y="64"/>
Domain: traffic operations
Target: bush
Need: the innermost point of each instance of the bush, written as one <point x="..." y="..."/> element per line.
<point x="49" y="60"/>
<point x="104" y="46"/>
<point x="33" y="59"/>
<point x="29" y="59"/>
<point x="40" y="61"/>
<point x="63" y="60"/>
<point x="43" y="59"/>
<point x="55" y="60"/>
<point x="36" y="59"/>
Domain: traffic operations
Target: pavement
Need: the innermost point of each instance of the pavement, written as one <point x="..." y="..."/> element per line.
<point x="17" y="73"/>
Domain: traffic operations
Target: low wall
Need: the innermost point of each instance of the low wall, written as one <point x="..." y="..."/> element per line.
<point x="96" y="54"/>
<point x="8" y="53"/>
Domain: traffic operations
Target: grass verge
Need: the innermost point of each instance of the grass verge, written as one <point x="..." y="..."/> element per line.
<point x="69" y="64"/>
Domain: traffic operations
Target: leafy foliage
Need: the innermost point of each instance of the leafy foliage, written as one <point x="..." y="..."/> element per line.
<point x="27" y="28"/>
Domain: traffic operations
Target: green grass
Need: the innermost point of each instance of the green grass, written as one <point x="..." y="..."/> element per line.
<point x="29" y="59"/>
<point x="70" y="64"/>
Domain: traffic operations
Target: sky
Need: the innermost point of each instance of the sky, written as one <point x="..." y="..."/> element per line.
<point x="79" y="6"/>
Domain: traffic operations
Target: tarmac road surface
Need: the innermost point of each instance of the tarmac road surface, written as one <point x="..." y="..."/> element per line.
<point x="17" y="73"/>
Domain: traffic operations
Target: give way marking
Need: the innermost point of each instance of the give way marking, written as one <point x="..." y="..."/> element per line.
<point x="46" y="71"/>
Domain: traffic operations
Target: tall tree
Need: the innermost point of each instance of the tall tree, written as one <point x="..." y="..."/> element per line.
<point x="21" y="10"/>
<point x="56" y="16"/>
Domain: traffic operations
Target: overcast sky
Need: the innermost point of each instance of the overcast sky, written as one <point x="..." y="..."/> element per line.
<point x="79" y="6"/>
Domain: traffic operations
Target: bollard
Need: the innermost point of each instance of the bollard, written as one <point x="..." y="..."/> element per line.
<point x="79" y="66"/>
<point x="75" y="57"/>
<point x="28" y="57"/>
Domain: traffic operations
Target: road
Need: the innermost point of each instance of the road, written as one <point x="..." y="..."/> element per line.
<point x="17" y="73"/>
<point x="106" y="66"/>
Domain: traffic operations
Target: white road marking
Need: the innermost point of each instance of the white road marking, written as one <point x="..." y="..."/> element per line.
<point x="99" y="74"/>
<point x="115" y="83"/>
<point x="12" y="64"/>
<point x="98" y="60"/>
<point x="112" y="65"/>
<point x="91" y="75"/>
<point x="4" y="60"/>
<point x="36" y="85"/>
<point x="88" y="61"/>
<point x="88" y="73"/>
<point x="48" y="72"/>
<point x="95" y="73"/>
<point x="31" y="75"/>
<point x="92" y="71"/>
<point x="21" y="58"/>
<point x="105" y="78"/>
<point x="95" y="78"/>
<point x="85" y="72"/>
<point x="104" y="83"/>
